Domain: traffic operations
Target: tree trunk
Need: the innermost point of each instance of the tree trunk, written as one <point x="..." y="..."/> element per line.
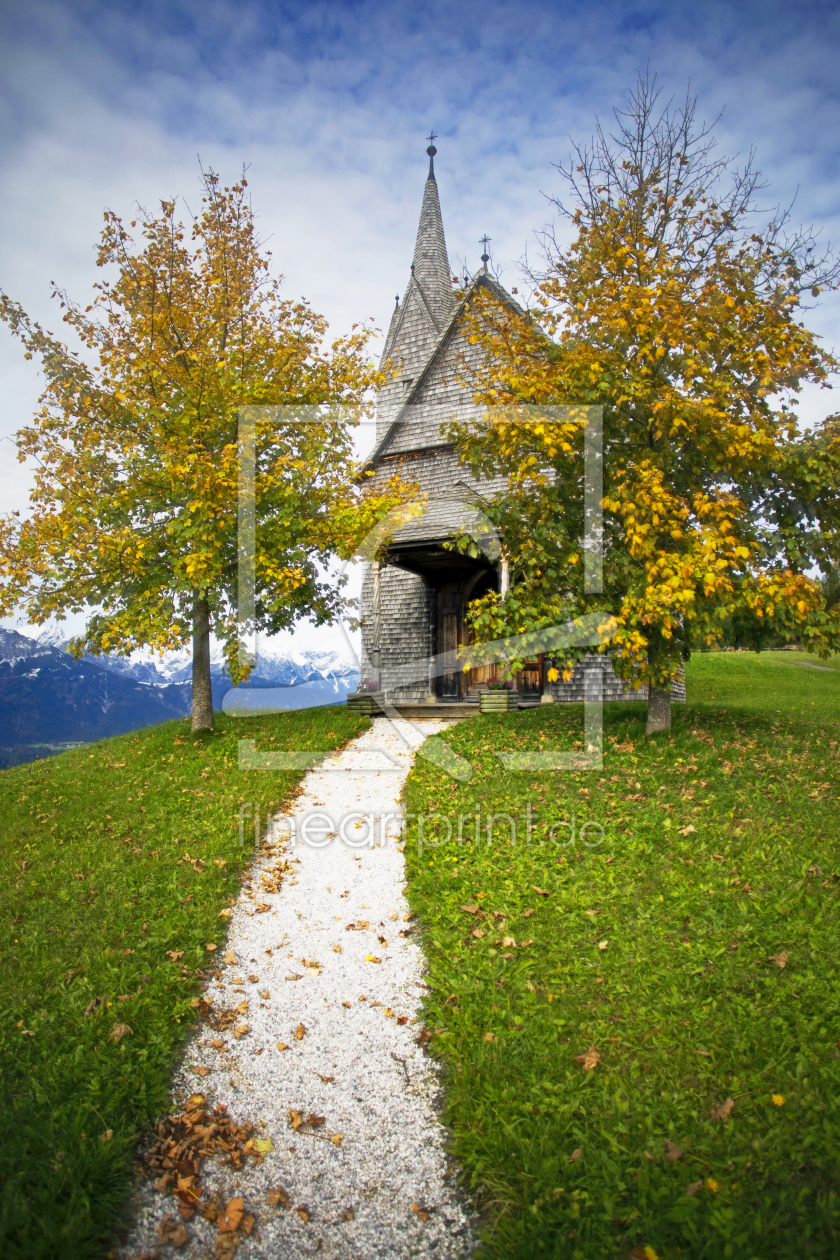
<point x="659" y="710"/>
<point x="202" y="696"/>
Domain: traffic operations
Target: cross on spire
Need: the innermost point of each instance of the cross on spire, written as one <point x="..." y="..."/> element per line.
<point x="431" y="137"/>
<point x="485" y="257"/>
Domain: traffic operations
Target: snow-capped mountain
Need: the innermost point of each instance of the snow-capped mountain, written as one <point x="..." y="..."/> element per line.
<point x="47" y="698"/>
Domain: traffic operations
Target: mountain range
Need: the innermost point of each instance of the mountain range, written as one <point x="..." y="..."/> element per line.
<point x="49" y="701"/>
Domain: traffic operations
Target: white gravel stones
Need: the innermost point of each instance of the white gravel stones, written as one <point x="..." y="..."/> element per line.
<point x="357" y="1064"/>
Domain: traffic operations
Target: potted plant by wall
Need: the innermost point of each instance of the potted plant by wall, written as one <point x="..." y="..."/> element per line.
<point x="500" y="697"/>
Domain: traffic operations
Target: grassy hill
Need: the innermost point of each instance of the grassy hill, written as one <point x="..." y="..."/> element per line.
<point x="115" y="862"/>
<point x="641" y="1028"/>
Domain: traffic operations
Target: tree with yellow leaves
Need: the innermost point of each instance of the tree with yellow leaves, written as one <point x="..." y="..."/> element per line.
<point x="134" y="508"/>
<point x="674" y="310"/>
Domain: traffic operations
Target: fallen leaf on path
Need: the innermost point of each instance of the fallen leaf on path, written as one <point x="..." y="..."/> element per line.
<point x="575" y="1155"/>
<point x="265" y="995"/>
<point x="296" y="1120"/>
<point x="589" y="1059"/>
<point x="371" y="958"/>
<point x="280" y="1196"/>
<point x="234" y="1212"/>
<point x="388" y="1012"/>
<point x="722" y="1110"/>
<point x="336" y="949"/>
<point x="348" y="1214"/>
<point x="200" y="1071"/>
<point x="779" y="959"/>
<point x="230" y="959"/>
<point x="673" y="1153"/>
<point x="419" y="1210"/>
<point x="263" y="1145"/>
<point x="303" y="1212"/>
<point x="241" y="1030"/>
<point x="281" y="1045"/>
<point x="119" y="1031"/>
<point x="424" y="1037"/>
<point x="171" y="1233"/>
<point x="402" y="1019"/>
<point x="347" y="1004"/>
<point x="315" y="1122"/>
<point x="295" y="976"/>
<point x="300" y="1032"/>
<point x="336" y="1138"/>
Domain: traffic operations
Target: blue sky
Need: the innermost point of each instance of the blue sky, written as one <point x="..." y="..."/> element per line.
<point x="107" y="104"/>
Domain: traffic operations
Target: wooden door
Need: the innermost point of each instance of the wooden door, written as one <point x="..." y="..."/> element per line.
<point x="449" y="630"/>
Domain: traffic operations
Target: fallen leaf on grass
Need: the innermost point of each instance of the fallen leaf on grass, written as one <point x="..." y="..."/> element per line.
<point x="489" y="1037"/>
<point x="590" y="1059"/>
<point x="477" y="933"/>
<point x="106" y="1136"/>
<point x="280" y="1196"/>
<point x="687" y="831"/>
<point x="230" y="959"/>
<point x="119" y="1031"/>
<point x="643" y="1253"/>
<point x="722" y="1110"/>
<point x="526" y="914"/>
<point x="300" y="1032"/>
<point x="171" y="1233"/>
<point x="210" y="948"/>
<point x="693" y="1188"/>
<point x="603" y="944"/>
<point x="470" y="909"/>
<point x="575" y="1155"/>
<point x="591" y="912"/>
<point x="779" y="959"/>
<point x="509" y="943"/>
<point x="673" y="1153"/>
<point x="543" y="892"/>
<point x="707" y="1054"/>
<point x="174" y="954"/>
<point x="201" y="1071"/>
<point x="422" y="1212"/>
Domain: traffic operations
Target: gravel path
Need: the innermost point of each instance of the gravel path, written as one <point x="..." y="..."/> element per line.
<point x="332" y="971"/>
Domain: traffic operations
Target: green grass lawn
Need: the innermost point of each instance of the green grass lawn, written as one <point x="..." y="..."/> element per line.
<point x="116" y="861"/>
<point x="720" y="850"/>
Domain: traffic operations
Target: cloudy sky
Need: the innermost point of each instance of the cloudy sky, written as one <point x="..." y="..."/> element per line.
<point x="328" y="104"/>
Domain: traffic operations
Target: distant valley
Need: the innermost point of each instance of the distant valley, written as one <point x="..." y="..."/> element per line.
<point x="49" y="701"/>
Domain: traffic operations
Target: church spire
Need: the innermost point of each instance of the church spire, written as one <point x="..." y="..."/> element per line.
<point x="430" y="268"/>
